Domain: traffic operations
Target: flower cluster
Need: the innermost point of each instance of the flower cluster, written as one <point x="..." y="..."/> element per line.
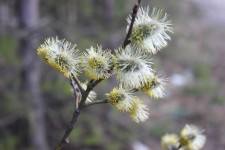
<point x="191" y="138"/>
<point x="97" y="63"/>
<point x="131" y="64"/>
<point x="150" y="32"/>
<point x="61" y="55"/>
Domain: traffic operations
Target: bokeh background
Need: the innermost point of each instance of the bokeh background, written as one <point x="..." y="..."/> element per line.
<point x="36" y="102"/>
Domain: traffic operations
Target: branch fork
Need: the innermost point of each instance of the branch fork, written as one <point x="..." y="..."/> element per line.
<point x="81" y="94"/>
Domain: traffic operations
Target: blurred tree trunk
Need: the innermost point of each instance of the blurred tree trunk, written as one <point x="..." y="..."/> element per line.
<point x="30" y="83"/>
<point x="108" y="10"/>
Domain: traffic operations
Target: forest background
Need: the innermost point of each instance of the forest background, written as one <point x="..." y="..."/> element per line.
<point x="36" y="102"/>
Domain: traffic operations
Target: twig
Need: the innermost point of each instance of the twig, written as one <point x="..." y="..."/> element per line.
<point x="180" y="146"/>
<point x="77" y="96"/>
<point x="76" y="91"/>
<point x="97" y="102"/>
<point x="78" y="84"/>
<point x="90" y="87"/>
<point x="134" y="14"/>
<point x="81" y="94"/>
<point x="78" y="108"/>
<point x="69" y="128"/>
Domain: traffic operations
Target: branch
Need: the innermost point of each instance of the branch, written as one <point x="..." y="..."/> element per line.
<point x="180" y="146"/>
<point x="78" y="84"/>
<point x="90" y="87"/>
<point x="77" y="96"/>
<point x="134" y="14"/>
<point x="65" y="139"/>
<point x="81" y="95"/>
<point x="97" y="102"/>
<point x="76" y="93"/>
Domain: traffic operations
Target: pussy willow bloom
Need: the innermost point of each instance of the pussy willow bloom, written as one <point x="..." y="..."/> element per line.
<point x="97" y="63"/>
<point x="139" y="112"/>
<point x="61" y="55"/>
<point x="121" y="98"/>
<point x="132" y="67"/>
<point x="191" y="138"/>
<point x="150" y="32"/>
<point x="170" y="142"/>
<point x="154" y="87"/>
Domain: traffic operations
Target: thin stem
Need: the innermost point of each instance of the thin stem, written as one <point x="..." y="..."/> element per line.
<point x="76" y="113"/>
<point x="97" y="102"/>
<point x="69" y="128"/>
<point x="90" y="87"/>
<point x="81" y="94"/>
<point x="76" y="93"/>
<point x="134" y="14"/>
<point x="78" y="84"/>
<point x="178" y="147"/>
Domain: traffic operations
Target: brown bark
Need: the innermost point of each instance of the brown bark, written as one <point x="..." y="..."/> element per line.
<point x="30" y="75"/>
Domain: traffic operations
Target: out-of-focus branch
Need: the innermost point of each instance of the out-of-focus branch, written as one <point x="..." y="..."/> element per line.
<point x="179" y="147"/>
<point x="97" y="102"/>
<point x="133" y="16"/>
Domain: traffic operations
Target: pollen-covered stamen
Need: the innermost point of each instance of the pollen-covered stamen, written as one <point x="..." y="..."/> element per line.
<point x="61" y="55"/>
<point x="142" y="31"/>
<point x="63" y="65"/>
<point x="42" y="53"/>
<point x="95" y="63"/>
<point x="191" y="137"/>
<point x="184" y="141"/>
<point x="114" y="97"/>
<point x="122" y="99"/>
<point x="139" y="112"/>
<point x="149" y="84"/>
<point x="150" y="31"/>
<point x="154" y="86"/>
<point x="170" y="142"/>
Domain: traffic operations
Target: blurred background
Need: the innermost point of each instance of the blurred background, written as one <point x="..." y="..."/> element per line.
<point x="36" y="102"/>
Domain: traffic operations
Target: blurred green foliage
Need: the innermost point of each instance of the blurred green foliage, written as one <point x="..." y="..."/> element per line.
<point x="8" y="53"/>
<point x="9" y="143"/>
<point x="102" y="127"/>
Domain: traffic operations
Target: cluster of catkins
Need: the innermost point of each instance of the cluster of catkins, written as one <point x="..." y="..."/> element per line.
<point x="132" y="65"/>
<point x="191" y="138"/>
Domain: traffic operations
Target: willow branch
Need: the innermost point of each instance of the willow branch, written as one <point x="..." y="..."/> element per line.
<point x="76" y="92"/>
<point x="65" y="139"/>
<point x="90" y="87"/>
<point x="81" y="94"/>
<point x="97" y="102"/>
<point x="76" y="113"/>
<point x="78" y="96"/>
<point x="78" y="84"/>
<point x="133" y="16"/>
<point x="178" y="147"/>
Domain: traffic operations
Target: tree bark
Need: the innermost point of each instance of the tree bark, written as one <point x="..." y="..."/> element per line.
<point x="30" y="75"/>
